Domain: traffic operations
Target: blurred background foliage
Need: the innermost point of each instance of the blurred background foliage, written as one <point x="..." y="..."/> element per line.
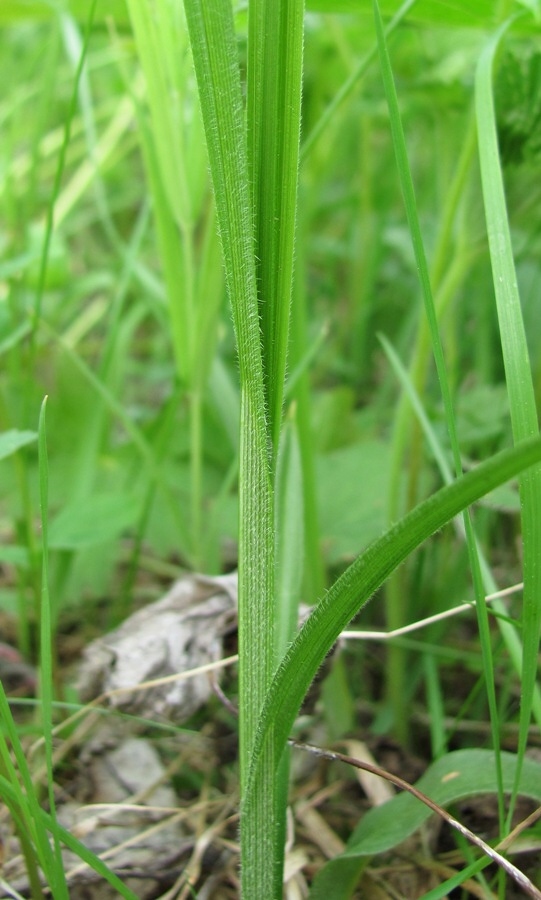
<point x="128" y="332"/>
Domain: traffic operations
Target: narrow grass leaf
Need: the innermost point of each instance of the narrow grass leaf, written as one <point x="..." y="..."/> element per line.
<point x="86" y="855"/>
<point x="162" y="48"/>
<point x="290" y="535"/>
<point x="47" y="823"/>
<point x="409" y="389"/>
<point x="275" y="43"/>
<point x="507" y="628"/>
<point x="49" y="225"/>
<point x="443" y="890"/>
<point x="21" y="796"/>
<point x="172" y="140"/>
<point x="410" y="203"/>
<point x="517" y="372"/>
<point x="173" y="257"/>
<point x="58" y="881"/>
<point x="14" y="801"/>
<point x="214" y="52"/>
<point x="352" y="510"/>
<point x="356" y="586"/>
<point x="349" y="85"/>
<point x="406" y="183"/>
<point x="14" y="797"/>
<point x="274" y="76"/>
<point x="213" y="44"/>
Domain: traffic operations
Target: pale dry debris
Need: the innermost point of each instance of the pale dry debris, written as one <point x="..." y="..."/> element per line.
<point x="180" y="632"/>
<point x="134" y="827"/>
<point x="130" y="777"/>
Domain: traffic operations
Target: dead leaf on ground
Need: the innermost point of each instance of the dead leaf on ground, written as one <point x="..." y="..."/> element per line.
<point x="178" y="633"/>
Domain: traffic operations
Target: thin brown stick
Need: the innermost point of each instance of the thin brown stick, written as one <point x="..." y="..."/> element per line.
<point x="523" y="882"/>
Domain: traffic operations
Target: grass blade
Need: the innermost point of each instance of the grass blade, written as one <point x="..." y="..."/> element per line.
<point x="49" y="225"/>
<point x="274" y="114"/>
<point x="517" y="372"/>
<point x="58" y="880"/>
<point x="289" y="534"/>
<point x="508" y="631"/>
<point x="34" y="844"/>
<point x="172" y="143"/>
<point x="213" y="45"/>
<point x="406" y="182"/>
<point x="349" y="85"/>
<point x="214" y="51"/>
<point x="357" y="585"/>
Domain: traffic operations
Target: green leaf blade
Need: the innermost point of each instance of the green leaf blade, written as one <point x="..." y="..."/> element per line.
<point x="13" y="440"/>
<point x="356" y="586"/>
<point x="95" y="520"/>
<point x="518" y="371"/>
<point x="213" y="44"/>
<point x="274" y="116"/>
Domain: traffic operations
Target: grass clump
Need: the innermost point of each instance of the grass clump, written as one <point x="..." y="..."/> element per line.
<point x="360" y="252"/>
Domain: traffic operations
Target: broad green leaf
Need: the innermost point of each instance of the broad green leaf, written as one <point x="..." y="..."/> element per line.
<point x="482" y="416"/>
<point x="13" y="440"/>
<point x="93" y="521"/>
<point x="504" y="499"/>
<point x="335" y="421"/>
<point x="353" y="484"/>
<point x="14" y="554"/>
<point x="454" y="777"/>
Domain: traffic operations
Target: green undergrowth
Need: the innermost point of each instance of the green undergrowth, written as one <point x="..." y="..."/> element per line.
<point x="276" y="269"/>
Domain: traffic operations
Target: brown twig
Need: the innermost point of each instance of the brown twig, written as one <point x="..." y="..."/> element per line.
<point x="527" y="886"/>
